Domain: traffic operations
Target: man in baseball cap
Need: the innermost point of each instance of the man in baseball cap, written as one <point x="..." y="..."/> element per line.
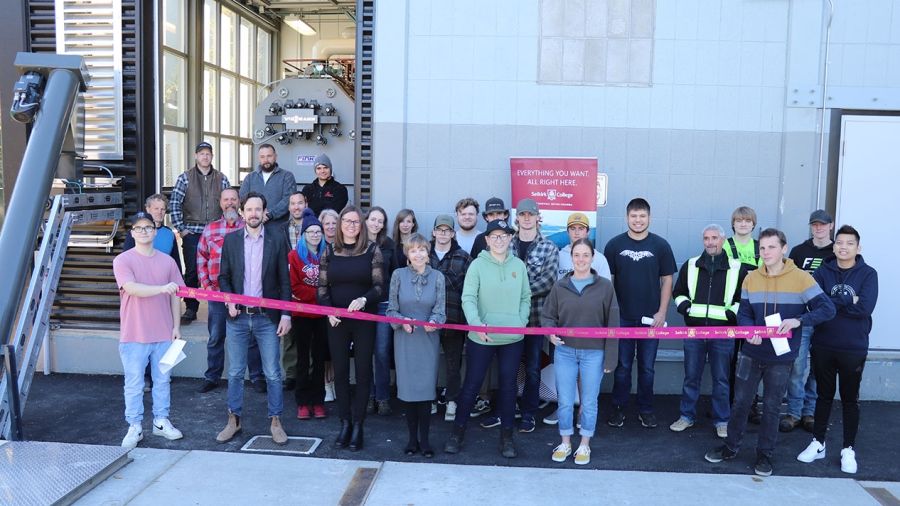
<point x="801" y="391"/>
<point x="494" y="209"/>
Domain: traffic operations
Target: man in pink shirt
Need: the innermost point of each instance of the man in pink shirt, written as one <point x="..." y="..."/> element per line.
<point x="149" y="314"/>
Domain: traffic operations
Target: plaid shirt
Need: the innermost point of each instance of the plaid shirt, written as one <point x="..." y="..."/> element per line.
<point x="453" y="266"/>
<point x="209" y="251"/>
<point x="177" y="199"/>
<point x="542" y="264"/>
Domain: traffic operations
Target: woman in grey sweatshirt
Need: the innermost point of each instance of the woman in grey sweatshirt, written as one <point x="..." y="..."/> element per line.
<point x="580" y="299"/>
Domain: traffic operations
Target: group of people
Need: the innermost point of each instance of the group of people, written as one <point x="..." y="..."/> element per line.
<point x="268" y="240"/>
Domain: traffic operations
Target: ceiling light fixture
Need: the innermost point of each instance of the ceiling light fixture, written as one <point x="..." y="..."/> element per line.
<point x="302" y="27"/>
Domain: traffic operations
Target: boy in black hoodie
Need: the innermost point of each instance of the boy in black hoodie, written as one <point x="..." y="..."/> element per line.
<point x="840" y="345"/>
<point x="801" y="393"/>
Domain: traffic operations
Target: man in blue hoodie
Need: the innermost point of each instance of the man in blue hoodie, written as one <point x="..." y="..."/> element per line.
<point x="840" y="345"/>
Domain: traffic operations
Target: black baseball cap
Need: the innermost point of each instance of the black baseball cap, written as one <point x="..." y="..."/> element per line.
<point x="498" y="225"/>
<point x="141" y="215"/>
<point x="494" y="205"/>
<point x="203" y="145"/>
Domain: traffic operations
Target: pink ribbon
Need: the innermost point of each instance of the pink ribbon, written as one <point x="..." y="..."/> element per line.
<point x="578" y="332"/>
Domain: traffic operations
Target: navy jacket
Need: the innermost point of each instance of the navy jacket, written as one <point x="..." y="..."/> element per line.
<point x="848" y="331"/>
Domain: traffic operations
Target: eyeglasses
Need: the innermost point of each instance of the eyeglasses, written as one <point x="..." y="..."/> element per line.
<point x="354" y="223"/>
<point x="498" y="237"/>
<point x="143" y="230"/>
<point x="444" y="231"/>
<point x="313" y="232"/>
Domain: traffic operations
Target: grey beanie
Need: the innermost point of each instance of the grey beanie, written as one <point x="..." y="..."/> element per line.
<point x="322" y="159"/>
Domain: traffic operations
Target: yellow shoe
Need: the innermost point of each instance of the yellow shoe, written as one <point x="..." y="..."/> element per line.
<point x="583" y="455"/>
<point x="561" y="452"/>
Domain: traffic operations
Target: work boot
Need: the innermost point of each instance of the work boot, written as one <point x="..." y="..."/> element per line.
<point x="356" y="439"/>
<point x="188" y="316"/>
<point x="278" y="435"/>
<point x="232" y="428"/>
<point x="507" y="445"/>
<point x="343" y="437"/>
<point x="454" y="443"/>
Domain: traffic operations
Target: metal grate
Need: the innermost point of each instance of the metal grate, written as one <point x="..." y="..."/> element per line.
<point x="295" y="446"/>
<point x="41" y="473"/>
<point x="365" y="98"/>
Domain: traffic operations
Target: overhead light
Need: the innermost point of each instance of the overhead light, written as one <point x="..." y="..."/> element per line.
<point x="299" y="25"/>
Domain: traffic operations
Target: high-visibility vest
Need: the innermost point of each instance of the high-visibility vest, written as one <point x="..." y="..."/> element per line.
<point x="712" y="311"/>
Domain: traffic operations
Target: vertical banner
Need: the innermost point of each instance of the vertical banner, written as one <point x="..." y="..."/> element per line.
<point x="560" y="186"/>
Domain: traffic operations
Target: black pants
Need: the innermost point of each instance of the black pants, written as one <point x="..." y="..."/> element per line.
<point x="748" y="374"/>
<point x="310" y="336"/>
<point x="453" y="341"/>
<point x="189" y="251"/>
<point x="418" y="422"/>
<point x="361" y="334"/>
<point x="828" y="366"/>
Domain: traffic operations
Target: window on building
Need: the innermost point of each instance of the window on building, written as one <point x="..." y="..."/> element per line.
<point x="233" y="63"/>
<point x="600" y="42"/>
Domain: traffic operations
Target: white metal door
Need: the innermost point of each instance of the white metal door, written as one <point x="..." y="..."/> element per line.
<point x="867" y="198"/>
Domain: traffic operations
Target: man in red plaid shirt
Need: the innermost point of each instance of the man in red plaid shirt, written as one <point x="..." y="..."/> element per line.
<point x="209" y="251"/>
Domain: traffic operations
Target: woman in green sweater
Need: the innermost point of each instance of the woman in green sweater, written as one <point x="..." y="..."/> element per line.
<point x="492" y="282"/>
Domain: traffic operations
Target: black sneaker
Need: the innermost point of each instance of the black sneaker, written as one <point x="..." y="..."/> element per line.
<point x="442" y="397"/>
<point x="648" y="420"/>
<point x="481" y="407"/>
<point x="370" y="406"/>
<point x="490" y="422"/>
<point x="383" y="408"/>
<point x="763" y="466"/>
<point x="527" y="424"/>
<point x="188" y="316"/>
<point x="617" y="419"/>
<point x="719" y="453"/>
<point x="208" y="386"/>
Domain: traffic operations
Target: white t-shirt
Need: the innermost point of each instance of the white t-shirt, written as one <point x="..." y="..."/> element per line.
<point x="466" y="239"/>
<point x="599" y="264"/>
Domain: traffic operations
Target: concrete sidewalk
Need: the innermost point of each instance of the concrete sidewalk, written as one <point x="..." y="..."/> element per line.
<point x="203" y="477"/>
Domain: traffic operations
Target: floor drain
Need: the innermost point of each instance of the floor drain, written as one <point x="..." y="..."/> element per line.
<point x="294" y="446"/>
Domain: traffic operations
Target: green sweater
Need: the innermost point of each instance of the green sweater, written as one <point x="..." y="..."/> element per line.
<point x="489" y="296"/>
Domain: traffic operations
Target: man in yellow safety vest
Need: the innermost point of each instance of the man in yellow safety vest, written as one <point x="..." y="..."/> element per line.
<point x="708" y="293"/>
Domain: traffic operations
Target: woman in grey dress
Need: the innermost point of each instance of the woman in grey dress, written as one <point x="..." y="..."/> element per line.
<point x="417" y="292"/>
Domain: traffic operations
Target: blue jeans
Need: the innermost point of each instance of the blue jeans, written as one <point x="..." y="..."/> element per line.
<point x="568" y="364"/>
<point x="801" y="392"/>
<point x="215" y="347"/>
<point x="384" y="344"/>
<point x="531" y="393"/>
<point x="747" y="375"/>
<point x="645" y="349"/>
<point x="135" y="357"/>
<point x="241" y="330"/>
<point x="478" y="360"/>
<point x="696" y="352"/>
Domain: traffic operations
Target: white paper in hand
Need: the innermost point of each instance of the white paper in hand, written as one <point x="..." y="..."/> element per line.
<point x="779" y="344"/>
<point x="173" y="356"/>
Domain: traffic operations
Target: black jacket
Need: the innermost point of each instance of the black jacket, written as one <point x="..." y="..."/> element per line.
<point x="710" y="289"/>
<point x="453" y="266"/>
<point x="331" y="196"/>
<point x="276" y="282"/>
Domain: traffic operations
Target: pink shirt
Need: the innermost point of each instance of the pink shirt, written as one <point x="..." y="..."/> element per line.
<point x="146" y="319"/>
<point x="253" y="256"/>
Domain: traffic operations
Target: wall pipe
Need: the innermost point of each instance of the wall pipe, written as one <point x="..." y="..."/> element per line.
<point x="824" y="104"/>
<point x="26" y="206"/>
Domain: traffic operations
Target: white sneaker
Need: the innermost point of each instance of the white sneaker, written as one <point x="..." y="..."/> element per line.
<point x="814" y="451"/>
<point x="329" y="391"/>
<point x="561" y="452"/>
<point x="681" y="424"/>
<point x="552" y="418"/>
<point x="722" y="430"/>
<point x="848" y="460"/>
<point x="583" y="455"/>
<point x="450" y="414"/>
<point x="163" y="427"/>
<point x="433" y="408"/>
<point x="133" y="437"/>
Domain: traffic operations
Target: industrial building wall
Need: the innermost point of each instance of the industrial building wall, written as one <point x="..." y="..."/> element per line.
<point x="719" y="125"/>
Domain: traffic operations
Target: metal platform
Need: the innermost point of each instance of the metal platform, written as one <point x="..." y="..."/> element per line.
<point x="296" y="445"/>
<point x="37" y="473"/>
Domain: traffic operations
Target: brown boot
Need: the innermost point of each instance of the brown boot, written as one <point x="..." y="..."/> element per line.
<point x="230" y="430"/>
<point x="278" y="435"/>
